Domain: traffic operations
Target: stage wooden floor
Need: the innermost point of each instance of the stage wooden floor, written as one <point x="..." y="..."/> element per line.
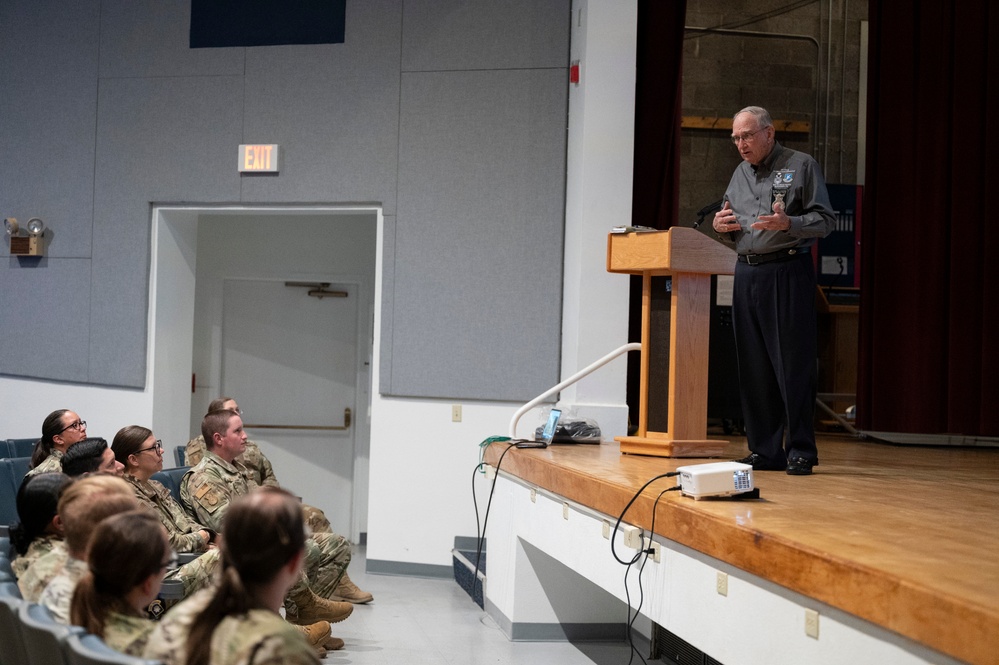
<point x="906" y="537"/>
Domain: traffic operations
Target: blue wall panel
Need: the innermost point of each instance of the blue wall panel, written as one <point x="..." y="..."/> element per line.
<point x="478" y="253"/>
<point x="334" y="109"/>
<point x="45" y="317"/>
<point x="155" y="144"/>
<point x="450" y="115"/>
<point x="144" y="38"/>
<point x="485" y="34"/>
<point x="48" y="108"/>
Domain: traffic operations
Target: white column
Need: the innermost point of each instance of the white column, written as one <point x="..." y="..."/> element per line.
<point x="598" y="196"/>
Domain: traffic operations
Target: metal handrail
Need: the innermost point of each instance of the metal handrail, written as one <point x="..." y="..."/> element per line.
<point x="589" y="369"/>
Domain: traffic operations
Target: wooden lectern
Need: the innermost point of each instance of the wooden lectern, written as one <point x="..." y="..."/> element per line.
<point x="691" y="258"/>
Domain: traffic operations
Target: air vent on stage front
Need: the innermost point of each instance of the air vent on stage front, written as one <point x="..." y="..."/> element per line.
<point x="674" y="650"/>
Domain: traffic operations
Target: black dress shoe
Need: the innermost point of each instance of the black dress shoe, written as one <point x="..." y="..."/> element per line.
<point x="799" y="466"/>
<point x="760" y="463"/>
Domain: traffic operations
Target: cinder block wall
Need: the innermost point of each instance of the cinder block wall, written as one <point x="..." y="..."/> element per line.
<point x="795" y="79"/>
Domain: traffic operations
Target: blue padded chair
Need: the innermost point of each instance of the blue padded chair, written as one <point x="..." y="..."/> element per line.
<point x="5" y="449"/>
<point x="89" y="649"/>
<point x="8" y="493"/>
<point x="44" y="637"/>
<point x="12" y="472"/>
<point x="12" y="649"/>
<point x="21" y="447"/>
<point x="170" y="478"/>
<point x="172" y="590"/>
<point x="179" y="454"/>
<point x="18" y="470"/>
<point x="5" y="569"/>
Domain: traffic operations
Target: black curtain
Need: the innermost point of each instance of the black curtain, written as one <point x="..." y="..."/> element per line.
<point x="658" y="108"/>
<point x="929" y="324"/>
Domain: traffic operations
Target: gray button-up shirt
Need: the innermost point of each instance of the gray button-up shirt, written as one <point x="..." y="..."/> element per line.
<point x="753" y="190"/>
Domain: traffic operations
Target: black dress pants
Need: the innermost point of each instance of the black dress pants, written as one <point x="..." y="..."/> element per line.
<point x="773" y="310"/>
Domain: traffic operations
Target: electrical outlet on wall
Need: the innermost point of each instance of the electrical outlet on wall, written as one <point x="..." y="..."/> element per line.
<point x="812" y="623"/>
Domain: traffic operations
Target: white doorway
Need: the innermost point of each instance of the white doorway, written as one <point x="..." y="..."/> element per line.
<point x="203" y="257"/>
<point x="289" y="356"/>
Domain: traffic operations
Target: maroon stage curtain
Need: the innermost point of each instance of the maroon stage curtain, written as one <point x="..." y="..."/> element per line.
<point x="929" y="322"/>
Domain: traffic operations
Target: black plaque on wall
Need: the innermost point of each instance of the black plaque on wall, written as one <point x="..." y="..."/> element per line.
<point x="226" y="23"/>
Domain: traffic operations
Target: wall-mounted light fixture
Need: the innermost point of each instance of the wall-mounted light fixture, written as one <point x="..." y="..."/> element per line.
<point x="27" y="242"/>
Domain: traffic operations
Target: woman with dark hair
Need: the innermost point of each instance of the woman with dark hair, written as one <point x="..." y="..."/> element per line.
<point x="263" y="548"/>
<point x="82" y="504"/>
<point x="60" y="429"/>
<point x="39" y="530"/>
<point x="127" y="556"/>
<point x="137" y="449"/>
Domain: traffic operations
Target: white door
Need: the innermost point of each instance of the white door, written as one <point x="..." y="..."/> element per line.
<point x="291" y="361"/>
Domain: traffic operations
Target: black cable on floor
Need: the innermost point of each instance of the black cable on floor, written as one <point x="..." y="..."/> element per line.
<point x="480" y="533"/>
<point x="651" y="550"/>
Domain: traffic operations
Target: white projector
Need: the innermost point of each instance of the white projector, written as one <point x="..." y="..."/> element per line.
<point x="715" y="479"/>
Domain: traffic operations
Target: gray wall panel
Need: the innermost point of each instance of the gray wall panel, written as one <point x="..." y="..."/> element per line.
<point x="152" y="38"/>
<point x="154" y="145"/>
<point x="48" y="107"/>
<point x="485" y="34"/>
<point x="45" y="309"/>
<point x="334" y="109"/>
<point x="477" y="304"/>
<point x="106" y="110"/>
<point x="119" y="297"/>
<point x="168" y="139"/>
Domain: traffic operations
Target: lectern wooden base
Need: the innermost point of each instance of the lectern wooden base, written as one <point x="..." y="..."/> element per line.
<point x="663" y="446"/>
<point x="690" y="258"/>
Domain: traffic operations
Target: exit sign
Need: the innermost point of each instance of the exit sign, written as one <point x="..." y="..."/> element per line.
<point x="259" y="158"/>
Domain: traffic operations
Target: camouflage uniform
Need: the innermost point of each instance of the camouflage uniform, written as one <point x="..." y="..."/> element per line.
<point x="127" y="634"/>
<point x="168" y="641"/>
<point x="51" y="463"/>
<point x="256" y="463"/>
<point x="260" y="637"/>
<point x="208" y="488"/>
<point x="182" y="530"/>
<point x="199" y="573"/>
<point x="38" y="548"/>
<point x="257" y="470"/>
<point x="58" y="594"/>
<point x="37" y="576"/>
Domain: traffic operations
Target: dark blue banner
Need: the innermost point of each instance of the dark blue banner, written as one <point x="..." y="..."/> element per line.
<point x="224" y="23"/>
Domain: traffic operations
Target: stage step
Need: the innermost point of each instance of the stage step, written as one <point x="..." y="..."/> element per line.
<point x="463" y="560"/>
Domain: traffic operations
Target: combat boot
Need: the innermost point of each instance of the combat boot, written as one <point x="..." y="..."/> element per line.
<point x="318" y="634"/>
<point x="314" y="608"/>
<point x="333" y="643"/>
<point x="348" y="592"/>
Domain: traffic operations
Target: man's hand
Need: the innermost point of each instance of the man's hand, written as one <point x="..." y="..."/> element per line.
<point x="725" y="220"/>
<point x="779" y="221"/>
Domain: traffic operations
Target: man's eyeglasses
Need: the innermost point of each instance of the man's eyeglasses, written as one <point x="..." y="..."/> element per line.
<point x="79" y="426"/>
<point x="746" y="136"/>
<point x="158" y="447"/>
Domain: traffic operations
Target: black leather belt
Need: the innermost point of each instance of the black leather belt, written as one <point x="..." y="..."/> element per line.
<point x="779" y="255"/>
